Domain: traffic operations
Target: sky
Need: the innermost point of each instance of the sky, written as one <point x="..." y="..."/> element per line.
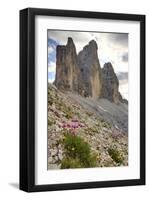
<point x="112" y="47"/>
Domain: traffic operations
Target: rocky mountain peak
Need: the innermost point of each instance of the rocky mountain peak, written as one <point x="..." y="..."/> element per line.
<point x="109" y="74"/>
<point x="66" y="66"/>
<point x="90" y="49"/>
<point x="108" y="67"/>
<point x="83" y="74"/>
<point x="90" y="71"/>
<point x="93" y="44"/>
<point x="110" y="83"/>
<point x="70" y="41"/>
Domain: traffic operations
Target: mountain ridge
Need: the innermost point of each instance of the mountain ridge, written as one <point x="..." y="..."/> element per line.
<point x="82" y="73"/>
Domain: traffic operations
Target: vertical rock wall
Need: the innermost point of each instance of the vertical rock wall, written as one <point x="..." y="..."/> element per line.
<point x="83" y="74"/>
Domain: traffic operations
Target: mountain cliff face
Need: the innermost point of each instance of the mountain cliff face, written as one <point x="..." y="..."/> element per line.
<point x="90" y="71"/>
<point x="110" y="84"/>
<point x="66" y="67"/>
<point x="82" y="73"/>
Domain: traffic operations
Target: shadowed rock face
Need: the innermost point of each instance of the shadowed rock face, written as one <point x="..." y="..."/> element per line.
<point x="82" y="73"/>
<point x="110" y="84"/>
<point x="66" y="67"/>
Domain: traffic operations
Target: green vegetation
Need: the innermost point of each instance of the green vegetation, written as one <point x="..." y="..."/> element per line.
<point x="115" y="155"/>
<point x="70" y="163"/>
<point x="77" y="153"/>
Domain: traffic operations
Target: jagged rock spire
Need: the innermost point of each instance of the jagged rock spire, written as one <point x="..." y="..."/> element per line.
<point x="66" y="66"/>
<point x="90" y="71"/>
<point x="110" y="83"/>
<point x="82" y="73"/>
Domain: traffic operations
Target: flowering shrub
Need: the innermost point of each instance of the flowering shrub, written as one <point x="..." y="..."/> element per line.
<point x="72" y="126"/>
<point x="77" y="153"/>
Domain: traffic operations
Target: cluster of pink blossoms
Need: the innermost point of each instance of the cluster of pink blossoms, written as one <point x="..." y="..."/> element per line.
<point x="72" y="125"/>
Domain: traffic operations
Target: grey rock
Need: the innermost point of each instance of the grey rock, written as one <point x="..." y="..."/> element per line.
<point x="90" y="71"/>
<point x="66" y="67"/>
<point x="53" y="152"/>
<point x="60" y="156"/>
<point x="56" y="158"/>
<point x="49" y="159"/>
<point x="53" y="166"/>
<point x="110" y="84"/>
<point x="82" y="73"/>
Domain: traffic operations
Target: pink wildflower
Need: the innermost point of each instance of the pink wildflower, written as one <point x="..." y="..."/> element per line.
<point x="73" y="125"/>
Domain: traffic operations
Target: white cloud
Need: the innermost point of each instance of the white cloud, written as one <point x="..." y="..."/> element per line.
<point x="51" y="67"/>
<point x="51" y="80"/>
<point x="123" y="88"/>
<point x="50" y="50"/>
<point x="51" y="71"/>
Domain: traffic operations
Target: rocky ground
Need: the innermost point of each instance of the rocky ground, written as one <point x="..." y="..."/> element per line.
<point x="115" y="114"/>
<point x="104" y="127"/>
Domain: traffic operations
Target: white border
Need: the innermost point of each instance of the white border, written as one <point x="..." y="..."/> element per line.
<point x="42" y="175"/>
